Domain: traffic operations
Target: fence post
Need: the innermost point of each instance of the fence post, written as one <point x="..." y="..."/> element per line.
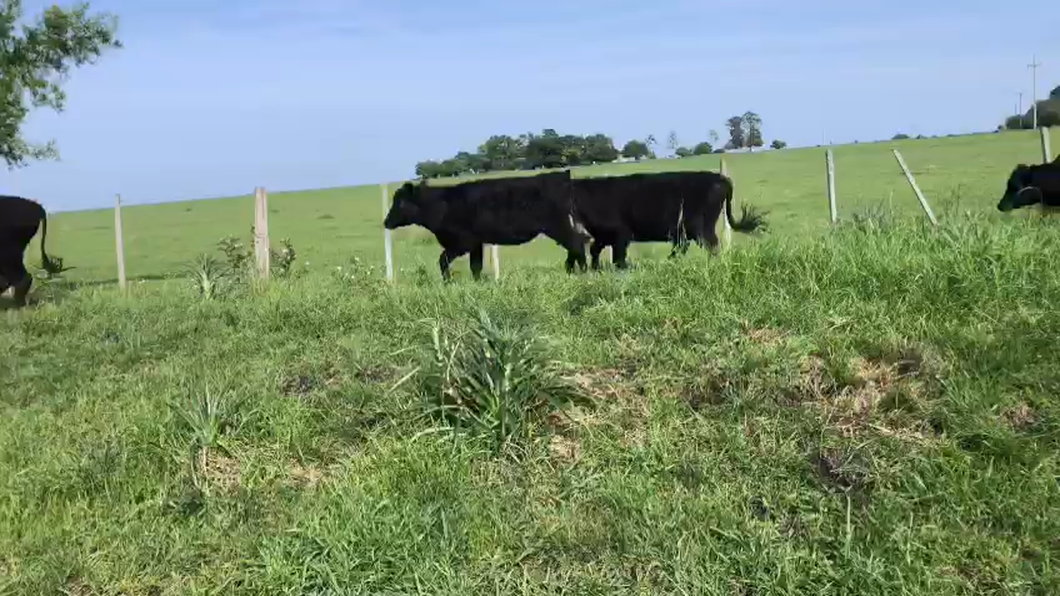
<point x="495" y="252"/>
<point x="261" y="231"/>
<point x="1047" y="151"/>
<point x="916" y="189"/>
<point x="119" y="243"/>
<point x="727" y="236"/>
<point x="830" y="163"/>
<point x="388" y="242"/>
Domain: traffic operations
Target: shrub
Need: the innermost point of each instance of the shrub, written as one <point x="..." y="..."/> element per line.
<point x="240" y="257"/>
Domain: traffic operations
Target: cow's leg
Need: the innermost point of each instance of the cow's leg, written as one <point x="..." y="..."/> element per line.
<point x="476" y="262"/>
<point x="712" y="242"/>
<point x="568" y="237"/>
<point x="16" y="276"/>
<point x="443" y="263"/>
<point x="618" y="251"/>
<point x="576" y="256"/>
<point x="695" y="230"/>
<point x="594" y="251"/>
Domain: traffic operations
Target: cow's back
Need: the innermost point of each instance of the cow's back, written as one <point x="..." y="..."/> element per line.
<point x="19" y="220"/>
<point x="508" y="210"/>
<point x="646" y="206"/>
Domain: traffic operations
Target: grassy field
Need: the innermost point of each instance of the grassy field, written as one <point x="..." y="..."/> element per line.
<point x="330" y="228"/>
<point x="869" y="409"/>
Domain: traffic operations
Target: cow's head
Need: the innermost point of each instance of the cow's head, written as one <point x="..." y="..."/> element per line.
<point x="412" y="204"/>
<point x="1019" y="192"/>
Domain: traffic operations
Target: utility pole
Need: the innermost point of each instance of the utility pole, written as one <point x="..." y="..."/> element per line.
<point x="1034" y="87"/>
<point x="1019" y="106"/>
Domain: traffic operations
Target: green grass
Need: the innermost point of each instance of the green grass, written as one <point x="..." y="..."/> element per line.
<point x="865" y="410"/>
<point x="853" y="412"/>
<point x="332" y="227"/>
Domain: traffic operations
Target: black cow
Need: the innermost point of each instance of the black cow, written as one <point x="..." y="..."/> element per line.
<point x="503" y="211"/>
<point x="656" y="207"/>
<point x="19" y="220"/>
<point x="1029" y="185"/>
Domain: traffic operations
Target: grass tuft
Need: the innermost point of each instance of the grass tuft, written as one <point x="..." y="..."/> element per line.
<point x="207" y="276"/>
<point x="494" y="380"/>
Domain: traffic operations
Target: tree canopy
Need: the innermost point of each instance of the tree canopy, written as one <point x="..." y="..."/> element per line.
<point x="550" y="149"/>
<point x="35" y="60"/>
<point x="525" y="152"/>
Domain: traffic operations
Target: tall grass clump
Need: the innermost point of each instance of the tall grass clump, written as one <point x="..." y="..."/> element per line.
<point x="207" y="276"/>
<point x="493" y="380"/>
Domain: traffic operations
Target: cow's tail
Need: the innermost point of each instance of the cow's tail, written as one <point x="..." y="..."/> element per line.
<point x="46" y="262"/>
<point x="750" y="219"/>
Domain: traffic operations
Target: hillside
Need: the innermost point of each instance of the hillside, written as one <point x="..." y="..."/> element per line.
<point x="857" y="412"/>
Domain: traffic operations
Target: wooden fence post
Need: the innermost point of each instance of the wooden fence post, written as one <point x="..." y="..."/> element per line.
<point x="830" y="163"/>
<point x="727" y="236"/>
<point x="388" y="242"/>
<point x="916" y="189"/>
<point x="1047" y="151"/>
<point x="495" y="252"/>
<point x="261" y="231"/>
<point x="119" y="243"/>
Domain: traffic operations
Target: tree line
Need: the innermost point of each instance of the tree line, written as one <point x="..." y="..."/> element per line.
<point x="1048" y="114"/>
<point x="549" y="149"/>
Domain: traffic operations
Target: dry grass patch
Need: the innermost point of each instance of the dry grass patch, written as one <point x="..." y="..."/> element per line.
<point x="1020" y="417"/>
<point x="219" y="471"/>
<point x="872" y="394"/>
<point x="763" y="336"/>
<point x="304" y="476"/>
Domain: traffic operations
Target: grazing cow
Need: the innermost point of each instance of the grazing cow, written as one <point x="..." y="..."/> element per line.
<point x="504" y="211"/>
<point x="656" y="207"/>
<point x="19" y="220"/>
<point x="1029" y="185"/>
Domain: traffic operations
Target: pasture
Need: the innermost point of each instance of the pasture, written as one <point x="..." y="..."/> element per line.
<point x="331" y="227"/>
<point x="868" y="409"/>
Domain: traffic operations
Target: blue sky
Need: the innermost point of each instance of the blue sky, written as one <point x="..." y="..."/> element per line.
<point x="214" y="97"/>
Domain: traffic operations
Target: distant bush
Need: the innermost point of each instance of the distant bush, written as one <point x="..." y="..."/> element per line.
<point x="703" y="148"/>
<point x="900" y="137"/>
<point x="778" y="144"/>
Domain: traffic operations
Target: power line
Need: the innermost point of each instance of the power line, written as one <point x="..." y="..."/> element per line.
<point x="1034" y="87"/>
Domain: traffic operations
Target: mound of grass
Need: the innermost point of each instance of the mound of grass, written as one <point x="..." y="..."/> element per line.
<point x="871" y="411"/>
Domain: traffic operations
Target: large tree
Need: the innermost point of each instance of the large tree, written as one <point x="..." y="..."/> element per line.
<point x="35" y="60"/>
<point x="600" y="148"/>
<point x="635" y="149"/>
<point x="544" y="150"/>
<point x="736" y="133"/>
<point x="502" y="152"/>
<point x="752" y="127"/>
